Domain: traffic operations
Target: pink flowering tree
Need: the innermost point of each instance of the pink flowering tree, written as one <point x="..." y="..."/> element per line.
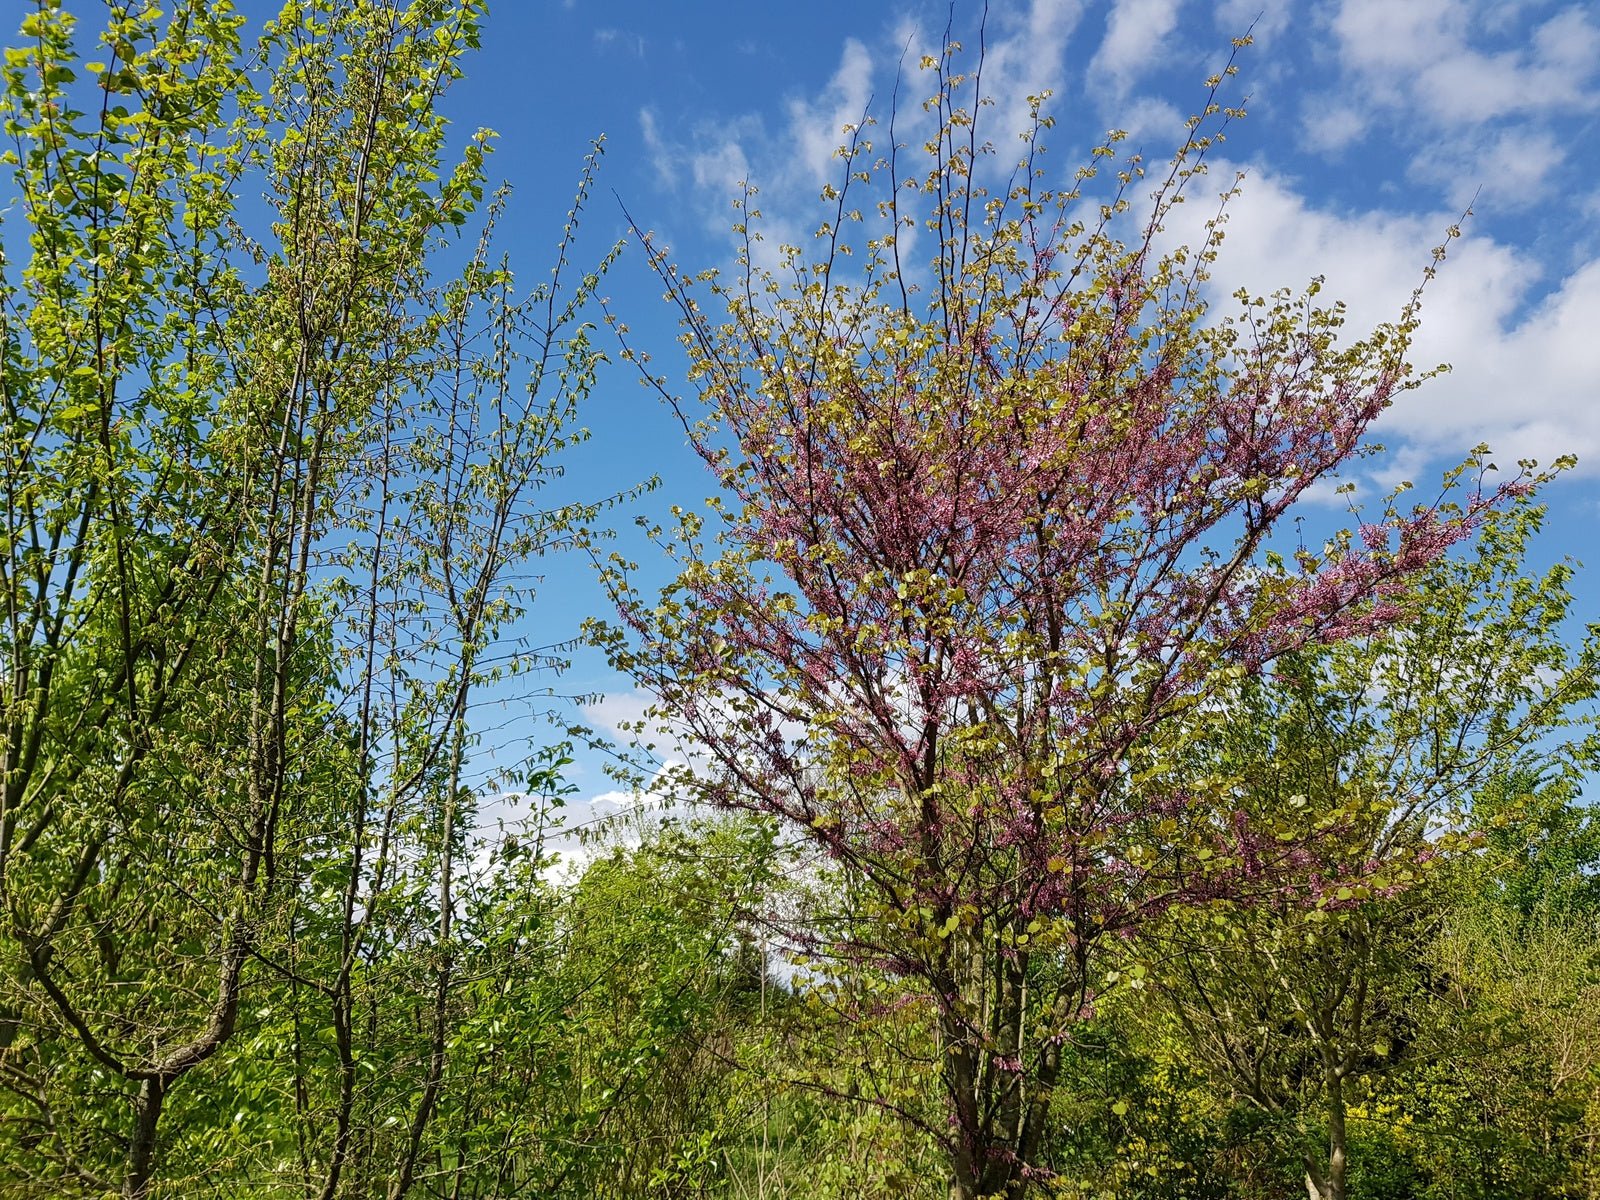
<point x="997" y="526"/>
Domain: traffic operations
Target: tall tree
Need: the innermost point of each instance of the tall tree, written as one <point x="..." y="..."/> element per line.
<point x="268" y="475"/>
<point x="995" y="524"/>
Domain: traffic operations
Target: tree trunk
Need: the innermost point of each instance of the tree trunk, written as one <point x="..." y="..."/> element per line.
<point x="966" y="1155"/>
<point x="1336" y="1135"/>
<point x="1330" y="1184"/>
<point x="966" y="1159"/>
<point x="142" y="1147"/>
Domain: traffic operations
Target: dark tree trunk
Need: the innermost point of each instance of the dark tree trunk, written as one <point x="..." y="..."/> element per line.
<point x="142" y="1148"/>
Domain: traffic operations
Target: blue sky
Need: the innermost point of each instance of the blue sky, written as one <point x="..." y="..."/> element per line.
<point x="1372" y="125"/>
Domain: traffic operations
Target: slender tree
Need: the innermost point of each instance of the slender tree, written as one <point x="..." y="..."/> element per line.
<point x="268" y="475"/>
<point x="993" y="525"/>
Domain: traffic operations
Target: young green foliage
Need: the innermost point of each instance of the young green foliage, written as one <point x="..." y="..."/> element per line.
<point x="268" y="475"/>
<point x="1346" y="779"/>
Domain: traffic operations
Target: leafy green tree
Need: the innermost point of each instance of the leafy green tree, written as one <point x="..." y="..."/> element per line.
<point x="611" y="1063"/>
<point x="267" y="484"/>
<point x="1350" y="774"/>
<point x="1508" y="1101"/>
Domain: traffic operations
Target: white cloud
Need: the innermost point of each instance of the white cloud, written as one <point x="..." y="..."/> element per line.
<point x="1509" y="171"/>
<point x="1265" y="19"/>
<point x="1524" y="378"/>
<point x="1468" y="88"/>
<point x="1568" y="44"/>
<point x="817" y="126"/>
<point x="1023" y="58"/>
<point x="590" y="826"/>
<point x="1132" y="45"/>
<point x="617" y="714"/>
<point x="1420" y="53"/>
<point x="1476" y="106"/>
<point x="721" y="169"/>
<point x="632" y="43"/>
<point x="1024" y="49"/>
<point x="1534" y="385"/>
<point x="1402" y="464"/>
<point x="1332" y="126"/>
<point x="625" y="718"/>
<point x="662" y="157"/>
<point x="1148" y="117"/>
<point x="1381" y="35"/>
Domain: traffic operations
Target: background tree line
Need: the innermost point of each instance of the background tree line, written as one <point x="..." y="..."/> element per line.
<point x="1062" y="831"/>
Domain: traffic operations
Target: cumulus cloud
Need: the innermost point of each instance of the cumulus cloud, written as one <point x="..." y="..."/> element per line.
<point x="1026" y="57"/>
<point x="1530" y="383"/>
<point x="791" y="161"/>
<point x="1388" y="35"/>
<point x="817" y="125"/>
<point x="1330" y="126"/>
<point x="1523" y="371"/>
<point x="578" y="831"/>
<point x="1264" y="21"/>
<point x="1133" y="42"/>
<point x="619" y="714"/>
<point x="1421" y="54"/>
<point x="1508" y="171"/>
<point x="1148" y="117"/>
